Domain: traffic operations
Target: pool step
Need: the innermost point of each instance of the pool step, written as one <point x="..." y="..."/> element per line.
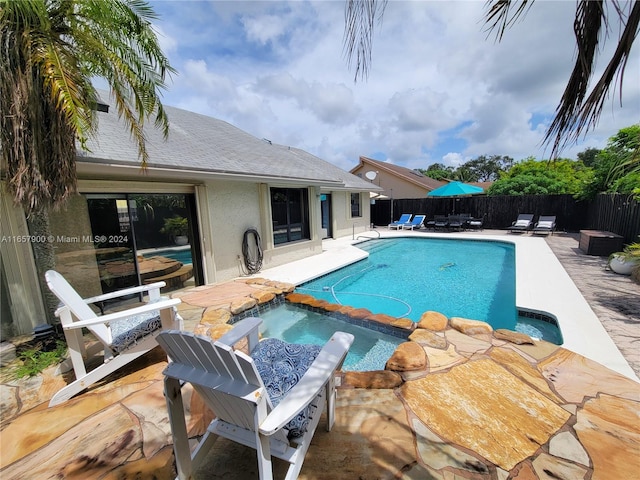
<point x="174" y="279"/>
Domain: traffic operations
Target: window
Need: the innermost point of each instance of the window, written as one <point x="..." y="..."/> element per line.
<point x="355" y="205"/>
<point x="290" y="214"/>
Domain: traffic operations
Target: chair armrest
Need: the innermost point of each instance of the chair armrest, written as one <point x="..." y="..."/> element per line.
<point x="248" y="327"/>
<point x="126" y="291"/>
<point x="320" y="372"/>
<point x="149" y="307"/>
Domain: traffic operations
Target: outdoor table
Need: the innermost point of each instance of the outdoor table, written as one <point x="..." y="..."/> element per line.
<point x="596" y="242"/>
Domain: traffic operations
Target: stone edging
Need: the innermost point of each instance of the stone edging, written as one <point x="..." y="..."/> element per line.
<point x="408" y="358"/>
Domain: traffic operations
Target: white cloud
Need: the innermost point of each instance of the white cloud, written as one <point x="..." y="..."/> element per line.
<point x="439" y="90"/>
<point x="453" y="160"/>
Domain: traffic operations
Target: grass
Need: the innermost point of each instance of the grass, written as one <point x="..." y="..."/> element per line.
<point x="35" y="360"/>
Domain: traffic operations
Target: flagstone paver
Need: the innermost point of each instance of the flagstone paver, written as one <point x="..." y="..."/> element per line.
<point x="614" y="298"/>
<point x="482" y="407"/>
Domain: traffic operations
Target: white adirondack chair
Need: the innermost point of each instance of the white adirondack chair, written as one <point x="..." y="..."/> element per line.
<point x="229" y="383"/>
<point x="123" y="336"/>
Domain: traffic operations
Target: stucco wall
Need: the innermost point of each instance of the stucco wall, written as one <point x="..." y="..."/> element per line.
<point x="233" y="207"/>
<point x="343" y="223"/>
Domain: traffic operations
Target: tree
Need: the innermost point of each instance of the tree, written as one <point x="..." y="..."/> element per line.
<point x="577" y="112"/>
<point x="617" y="166"/>
<point x="588" y="157"/>
<point x="533" y="177"/>
<point x="437" y="171"/>
<point x="51" y="50"/>
<point x="487" y="169"/>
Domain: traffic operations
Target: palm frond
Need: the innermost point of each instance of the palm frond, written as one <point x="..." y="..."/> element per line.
<point x="575" y="114"/>
<point x="51" y="49"/>
<point x="360" y="18"/>
<point x="499" y="15"/>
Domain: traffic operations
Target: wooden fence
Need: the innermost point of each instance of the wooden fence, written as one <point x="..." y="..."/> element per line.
<point x="611" y="212"/>
<point x="616" y="213"/>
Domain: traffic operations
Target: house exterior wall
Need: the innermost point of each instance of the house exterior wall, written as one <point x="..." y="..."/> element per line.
<point x="225" y="210"/>
<point x="21" y="293"/>
<point x="233" y="207"/>
<point x="343" y="223"/>
<point x="394" y="186"/>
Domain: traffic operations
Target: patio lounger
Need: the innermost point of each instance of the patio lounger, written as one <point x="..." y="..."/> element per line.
<point x="404" y="219"/>
<point x="523" y="223"/>
<point x="270" y="400"/>
<point x="475" y="223"/>
<point x="455" y="222"/>
<point x="546" y="225"/>
<point x="122" y="336"/>
<point x="416" y="223"/>
<point x="440" y="222"/>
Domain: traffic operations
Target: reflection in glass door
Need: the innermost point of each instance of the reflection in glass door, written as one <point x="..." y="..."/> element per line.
<point x="165" y="227"/>
<point x="106" y="242"/>
<point x="113" y="240"/>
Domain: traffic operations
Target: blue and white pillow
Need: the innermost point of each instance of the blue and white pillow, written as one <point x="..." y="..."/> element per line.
<point x="281" y="365"/>
<point x="128" y="331"/>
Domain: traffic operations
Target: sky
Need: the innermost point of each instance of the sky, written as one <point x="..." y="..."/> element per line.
<point x="441" y="89"/>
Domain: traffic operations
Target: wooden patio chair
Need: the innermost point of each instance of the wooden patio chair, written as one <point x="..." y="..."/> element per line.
<point x="122" y="336"/>
<point x="254" y="406"/>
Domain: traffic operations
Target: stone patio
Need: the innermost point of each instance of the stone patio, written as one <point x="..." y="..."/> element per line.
<point x="482" y="405"/>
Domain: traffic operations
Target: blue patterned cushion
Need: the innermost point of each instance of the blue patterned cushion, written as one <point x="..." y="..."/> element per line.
<point x="281" y="365"/>
<point x="128" y="331"/>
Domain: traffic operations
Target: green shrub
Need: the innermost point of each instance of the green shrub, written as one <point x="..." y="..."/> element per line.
<point x="35" y="360"/>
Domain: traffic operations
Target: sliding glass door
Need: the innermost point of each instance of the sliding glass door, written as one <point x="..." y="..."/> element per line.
<point x="106" y="242"/>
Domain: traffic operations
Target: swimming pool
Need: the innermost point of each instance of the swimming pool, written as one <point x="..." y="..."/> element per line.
<point x="405" y="277"/>
<point x="181" y="255"/>
<point x="369" y="351"/>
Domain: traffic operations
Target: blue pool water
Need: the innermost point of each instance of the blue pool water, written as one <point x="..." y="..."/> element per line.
<point x="409" y="276"/>
<point x="405" y="278"/>
<point x="370" y="349"/>
<point x="183" y="255"/>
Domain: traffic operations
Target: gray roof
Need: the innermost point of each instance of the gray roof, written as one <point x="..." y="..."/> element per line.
<point x="198" y="143"/>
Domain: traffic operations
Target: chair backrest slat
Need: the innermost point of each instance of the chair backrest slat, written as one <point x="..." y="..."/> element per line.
<point x="224" y="378"/>
<point x="67" y="295"/>
<point x="229" y="361"/>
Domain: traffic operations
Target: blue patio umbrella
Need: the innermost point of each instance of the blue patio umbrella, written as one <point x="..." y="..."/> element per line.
<point x="455" y="189"/>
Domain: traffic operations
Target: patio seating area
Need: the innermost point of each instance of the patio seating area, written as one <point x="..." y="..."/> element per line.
<point x="474" y="404"/>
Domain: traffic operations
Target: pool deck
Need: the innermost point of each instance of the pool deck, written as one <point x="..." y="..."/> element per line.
<point x="482" y="408"/>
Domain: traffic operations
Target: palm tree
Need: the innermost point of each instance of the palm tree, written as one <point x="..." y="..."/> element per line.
<point x="51" y="51"/>
<point x="577" y="112"/>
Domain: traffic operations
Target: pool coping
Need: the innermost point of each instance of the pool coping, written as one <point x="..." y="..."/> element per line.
<point x="542" y="285"/>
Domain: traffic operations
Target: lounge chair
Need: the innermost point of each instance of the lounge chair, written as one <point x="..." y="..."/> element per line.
<point x="440" y="222"/>
<point x="475" y="223"/>
<point x="546" y="225"/>
<point x="404" y="219"/>
<point x="122" y="336"/>
<point x="523" y="223"/>
<point x="255" y="405"/>
<point x="455" y="222"/>
<point x="416" y="223"/>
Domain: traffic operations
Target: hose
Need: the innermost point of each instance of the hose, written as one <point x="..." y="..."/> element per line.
<point x="252" y="257"/>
